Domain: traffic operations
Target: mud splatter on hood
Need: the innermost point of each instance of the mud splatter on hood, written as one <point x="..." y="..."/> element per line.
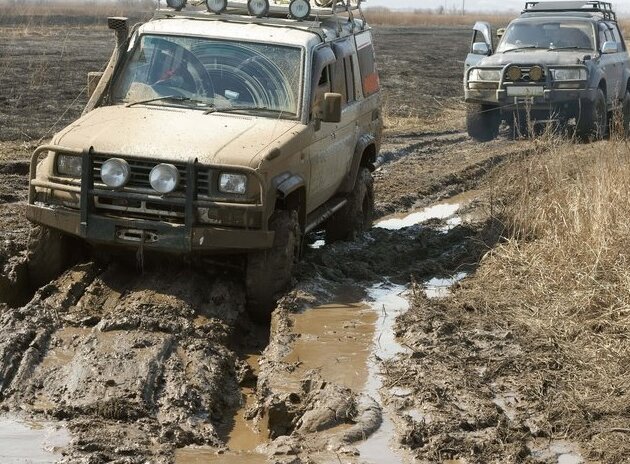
<point x="175" y="134"/>
<point x="541" y="57"/>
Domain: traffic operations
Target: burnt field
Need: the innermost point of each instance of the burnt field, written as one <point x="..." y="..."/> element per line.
<point x="370" y="358"/>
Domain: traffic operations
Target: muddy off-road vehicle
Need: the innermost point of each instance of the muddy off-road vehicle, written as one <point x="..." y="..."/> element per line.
<point x="233" y="129"/>
<point x="560" y="62"/>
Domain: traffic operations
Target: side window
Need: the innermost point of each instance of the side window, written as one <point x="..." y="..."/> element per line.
<point x="617" y="38"/>
<point x="339" y="84"/>
<point x="349" y="69"/>
<point x="604" y="34"/>
<point x="367" y="64"/>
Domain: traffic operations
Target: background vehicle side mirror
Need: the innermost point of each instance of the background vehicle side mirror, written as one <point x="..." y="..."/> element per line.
<point x="481" y="48"/>
<point x="332" y="107"/>
<point x="610" y="47"/>
<point x="500" y="32"/>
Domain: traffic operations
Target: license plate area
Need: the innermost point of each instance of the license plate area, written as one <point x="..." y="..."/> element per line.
<point x="523" y="91"/>
<point x="136" y="235"/>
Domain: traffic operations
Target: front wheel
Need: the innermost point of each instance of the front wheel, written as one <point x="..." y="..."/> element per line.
<point x="593" y="119"/>
<point x="356" y="216"/>
<point x="50" y="253"/>
<point x="483" y="122"/>
<point x="269" y="272"/>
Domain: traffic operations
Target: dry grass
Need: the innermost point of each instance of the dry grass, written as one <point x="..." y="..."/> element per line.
<point x="562" y="283"/>
<point x="387" y="17"/>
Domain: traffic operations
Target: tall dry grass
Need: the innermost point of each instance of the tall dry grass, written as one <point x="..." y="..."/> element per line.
<point x="561" y="282"/>
<point x="388" y="17"/>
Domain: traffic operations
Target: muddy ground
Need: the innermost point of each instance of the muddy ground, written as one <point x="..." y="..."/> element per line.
<point x="162" y="364"/>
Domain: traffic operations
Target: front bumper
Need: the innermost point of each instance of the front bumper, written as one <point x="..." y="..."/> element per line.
<point x="549" y="98"/>
<point x="101" y="229"/>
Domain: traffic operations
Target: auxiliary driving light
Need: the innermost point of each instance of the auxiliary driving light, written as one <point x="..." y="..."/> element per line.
<point x="514" y="73"/>
<point x="217" y="6"/>
<point x="300" y="9"/>
<point x="164" y="178"/>
<point x="176" y="4"/>
<point x="115" y="173"/>
<point x="536" y="73"/>
<point x="258" y="8"/>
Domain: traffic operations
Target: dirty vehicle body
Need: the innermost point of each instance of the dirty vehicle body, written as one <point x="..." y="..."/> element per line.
<point x="220" y="134"/>
<point x="560" y="62"/>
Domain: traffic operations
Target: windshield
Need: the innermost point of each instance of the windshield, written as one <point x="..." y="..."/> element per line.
<point x="211" y="74"/>
<point x="548" y="34"/>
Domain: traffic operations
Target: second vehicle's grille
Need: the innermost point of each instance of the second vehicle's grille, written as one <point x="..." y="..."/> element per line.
<point x="140" y="170"/>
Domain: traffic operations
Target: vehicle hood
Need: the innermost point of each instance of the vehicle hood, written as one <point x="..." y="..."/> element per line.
<point x="540" y="57"/>
<point x="175" y="134"/>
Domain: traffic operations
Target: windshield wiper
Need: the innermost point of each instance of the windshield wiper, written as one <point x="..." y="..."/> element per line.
<point x="229" y="109"/>
<point x="528" y="47"/>
<point x="176" y="98"/>
<point x="573" y="47"/>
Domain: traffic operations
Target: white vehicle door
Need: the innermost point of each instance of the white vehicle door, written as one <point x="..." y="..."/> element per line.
<point x="481" y="45"/>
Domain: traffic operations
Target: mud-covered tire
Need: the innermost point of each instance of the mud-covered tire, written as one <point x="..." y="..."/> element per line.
<point x="49" y="254"/>
<point x="625" y="115"/>
<point x="483" y="122"/>
<point x="592" y="121"/>
<point x="357" y="215"/>
<point x="269" y="272"/>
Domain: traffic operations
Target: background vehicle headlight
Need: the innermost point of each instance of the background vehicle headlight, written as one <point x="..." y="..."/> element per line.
<point x="485" y="75"/>
<point x="576" y="74"/>
<point x="233" y="183"/>
<point x="164" y="178"/>
<point x="115" y="172"/>
<point x="68" y="165"/>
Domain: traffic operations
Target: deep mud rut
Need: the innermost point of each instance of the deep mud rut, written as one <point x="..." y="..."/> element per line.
<point x="163" y="365"/>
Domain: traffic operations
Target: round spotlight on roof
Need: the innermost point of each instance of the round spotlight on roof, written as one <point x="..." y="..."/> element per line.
<point x="176" y="4"/>
<point x="514" y="73"/>
<point x="300" y="9"/>
<point x="217" y="6"/>
<point x="258" y="8"/>
<point x="536" y="73"/>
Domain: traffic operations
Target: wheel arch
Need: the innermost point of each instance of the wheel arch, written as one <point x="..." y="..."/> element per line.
<point x="291" y="195"/>
<point x="364" y="156"/>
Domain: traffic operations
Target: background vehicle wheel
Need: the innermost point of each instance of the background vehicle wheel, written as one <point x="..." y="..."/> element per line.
<point x="625" y="115"/>
<point x="593" y="120"/>
<point x="50" y="253"/>
<point x="269" y="272"/>
<point x="483" y="122"/>
<point x="356" y="217"/>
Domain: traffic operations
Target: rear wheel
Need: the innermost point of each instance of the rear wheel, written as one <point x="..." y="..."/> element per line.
<point x="269" y="272"/>
<point x="593" y="119"/>
<point x="483" y="122"/>
<point x="356" y="216"/>
<point x="625" y="115"/>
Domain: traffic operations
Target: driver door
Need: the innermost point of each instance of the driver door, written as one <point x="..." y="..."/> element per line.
<point x="482" y="34"/>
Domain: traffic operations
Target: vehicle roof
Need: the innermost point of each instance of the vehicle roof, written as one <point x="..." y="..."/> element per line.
<point x="559" y="16"/>
<point x="264" y="30"/>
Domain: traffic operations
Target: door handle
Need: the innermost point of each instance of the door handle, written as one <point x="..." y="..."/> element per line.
<point x="333" y="135"/>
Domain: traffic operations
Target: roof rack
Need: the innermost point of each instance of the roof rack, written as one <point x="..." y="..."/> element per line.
<point x="588" y="6"/>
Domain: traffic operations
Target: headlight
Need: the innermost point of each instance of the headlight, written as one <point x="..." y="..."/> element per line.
<point x="575" y="74"/>
<point x="233" y="183"/>
<point x="115" y="173"/>
<point x="485" y="75"/>
<point x="176" y="4"/>
<point x="164" y="178"/>
<point x="68" y="165"/>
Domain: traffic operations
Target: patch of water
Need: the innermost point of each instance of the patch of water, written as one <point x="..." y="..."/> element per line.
<point x="200" y="455"/>
<point x="563" y="451"/>
<point x="397" y="221"/>
<point x="31" y="442"/>
<point x="441" y="287"/>
<point x="389" y="303"/>
<point x="317" y="244"/>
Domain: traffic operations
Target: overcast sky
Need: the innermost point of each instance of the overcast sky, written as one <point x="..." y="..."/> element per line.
<point x="477" y="5"/>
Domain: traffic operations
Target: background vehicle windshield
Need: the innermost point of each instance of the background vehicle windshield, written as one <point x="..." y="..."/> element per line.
<point x="548" y="34"/>
<point x="211" y="73"/>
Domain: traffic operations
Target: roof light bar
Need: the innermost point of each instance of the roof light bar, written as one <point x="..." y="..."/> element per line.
<point x="258" y="8"/>
<point x="177" y="5"/>
<point x="217" y="6"/>
<point x="300" y="9"/>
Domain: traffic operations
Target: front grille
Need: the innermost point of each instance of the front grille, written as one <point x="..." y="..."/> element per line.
<point x="140" y="170"/>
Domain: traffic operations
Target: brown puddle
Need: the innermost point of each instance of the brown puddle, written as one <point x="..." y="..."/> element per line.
<point x="31" y="442"/>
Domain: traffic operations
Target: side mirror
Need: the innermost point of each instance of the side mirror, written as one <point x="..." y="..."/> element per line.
<point x="481" y="48"/>
<point x="610" y="47"/>
<point x="500" y="32"/>
<point x="332" y="107"/>
<point x="93" y="79"/>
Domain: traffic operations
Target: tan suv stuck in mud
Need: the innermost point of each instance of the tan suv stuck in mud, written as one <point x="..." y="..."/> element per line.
<point x="233" y="130"/>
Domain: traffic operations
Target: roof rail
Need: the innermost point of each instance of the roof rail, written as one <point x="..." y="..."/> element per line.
<point x="585" y="6"/>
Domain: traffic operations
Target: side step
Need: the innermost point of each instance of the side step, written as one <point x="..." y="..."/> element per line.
<point x="323" y="213"/>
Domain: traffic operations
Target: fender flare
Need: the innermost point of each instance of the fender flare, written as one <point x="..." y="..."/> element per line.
<point x="287" y="183"/>
<point x="365" y="141"/>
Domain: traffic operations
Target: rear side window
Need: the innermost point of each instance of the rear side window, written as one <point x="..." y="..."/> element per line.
<point x="617" y="37"/>
<point x="367" y="64"/>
